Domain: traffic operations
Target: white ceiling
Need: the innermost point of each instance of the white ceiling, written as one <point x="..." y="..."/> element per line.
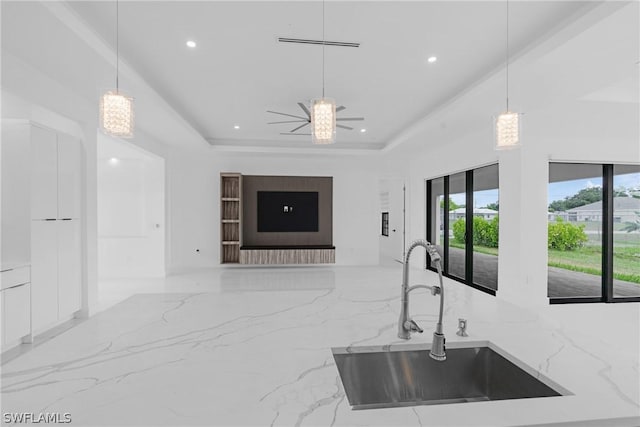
<point x="238" y="71"/>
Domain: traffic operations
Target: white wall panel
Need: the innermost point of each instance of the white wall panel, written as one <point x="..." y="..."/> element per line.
<point x="44" y="273"/>
<point x="69" y="267"/>
<point x="44" y="177"/>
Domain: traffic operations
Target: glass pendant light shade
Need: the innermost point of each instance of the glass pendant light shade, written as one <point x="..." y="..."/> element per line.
<point x="507" y="124"/>
<point x="116" y="114"/>
<point x="507" y="130"/>
<point x="323" y="121"/>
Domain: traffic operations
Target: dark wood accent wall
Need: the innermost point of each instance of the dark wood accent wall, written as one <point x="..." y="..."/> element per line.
<point x="251" y="184"/>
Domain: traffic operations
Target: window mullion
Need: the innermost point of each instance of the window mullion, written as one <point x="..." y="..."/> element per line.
<point x="446" y="224"/>
<point x="468" y="247"/>
<point x="429" y="215"/>
<point x="607" y="233"/>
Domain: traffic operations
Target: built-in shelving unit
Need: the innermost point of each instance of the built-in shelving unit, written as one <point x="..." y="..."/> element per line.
<point x="230" y="217"/>
<point x="242" y="243"/>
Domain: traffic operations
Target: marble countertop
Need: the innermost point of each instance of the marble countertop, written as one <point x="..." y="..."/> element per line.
<point x="255" y="349"/>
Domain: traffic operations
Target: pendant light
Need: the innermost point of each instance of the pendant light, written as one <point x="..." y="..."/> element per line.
<point x="507" y="124"/>
<point x="116" y="109"/>
<point x="323" y="110"/>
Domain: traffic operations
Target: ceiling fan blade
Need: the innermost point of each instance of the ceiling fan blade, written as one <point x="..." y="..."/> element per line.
<point x="340" y="108"/>
<point x="288" y="121"/>
<point x="299" y="127"/>
<point x="344" y="127"/>
<point x="285" y="114"/>
<point x="295" y="134"/>
<point x="305" y="109"/>
<point x="352" y="119"/>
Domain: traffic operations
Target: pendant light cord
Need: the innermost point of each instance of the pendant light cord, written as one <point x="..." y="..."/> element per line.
<point x="507" y="55"/>
<point x="323" y="45"/>
<point x="117" y="45"/>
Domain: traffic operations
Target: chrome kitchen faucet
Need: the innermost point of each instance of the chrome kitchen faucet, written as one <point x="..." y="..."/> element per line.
<point x="406" y="325"/>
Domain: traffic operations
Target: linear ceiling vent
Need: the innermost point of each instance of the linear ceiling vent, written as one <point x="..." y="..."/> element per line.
<point x="320" y="42"/>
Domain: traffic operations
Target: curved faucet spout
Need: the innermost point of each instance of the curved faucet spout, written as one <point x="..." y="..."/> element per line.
<point x="404" y="329"/>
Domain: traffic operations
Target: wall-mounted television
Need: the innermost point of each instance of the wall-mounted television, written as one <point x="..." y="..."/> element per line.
<point x="287" y="211"/>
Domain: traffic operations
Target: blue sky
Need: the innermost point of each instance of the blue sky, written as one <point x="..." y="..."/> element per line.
<point x="557" y="190"/>
<point x="560" y="190"/>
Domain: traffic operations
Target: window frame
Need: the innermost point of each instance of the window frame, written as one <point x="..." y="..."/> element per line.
<point x="607" y="291"/>
<point x="468" y="260"/>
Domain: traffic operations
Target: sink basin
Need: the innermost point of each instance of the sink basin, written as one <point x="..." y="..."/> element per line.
<point x="405" y="375"/>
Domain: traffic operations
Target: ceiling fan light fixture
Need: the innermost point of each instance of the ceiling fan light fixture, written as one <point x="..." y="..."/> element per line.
<point x="323" y="121"/>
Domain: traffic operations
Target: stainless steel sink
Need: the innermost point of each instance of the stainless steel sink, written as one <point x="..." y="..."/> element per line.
<point x="405" y="375"/>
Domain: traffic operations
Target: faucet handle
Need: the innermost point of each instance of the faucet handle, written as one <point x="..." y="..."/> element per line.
<point x="411" y="326"/>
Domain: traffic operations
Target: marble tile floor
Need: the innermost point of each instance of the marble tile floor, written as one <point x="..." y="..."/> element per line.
<point x="251" y="346"/>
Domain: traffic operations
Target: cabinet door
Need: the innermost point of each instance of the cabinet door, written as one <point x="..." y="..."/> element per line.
<point x="44" y="273"/>
<point x="69" y="176"/>
<point x="69" y="267"/>
<point x="17" y="312"/>
<point x="44" y="173"/>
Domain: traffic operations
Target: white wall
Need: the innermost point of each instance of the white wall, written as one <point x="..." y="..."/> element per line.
<point x="194" y="181"/>
<point x="131" y="211"/>
<point x="392" y="201"/>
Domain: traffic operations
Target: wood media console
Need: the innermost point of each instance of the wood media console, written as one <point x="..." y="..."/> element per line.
<point x="287" y="255"/>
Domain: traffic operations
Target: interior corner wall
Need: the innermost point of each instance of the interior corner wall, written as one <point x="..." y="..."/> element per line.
<point x="568" y="125"/>
<point x="194" y="201"/>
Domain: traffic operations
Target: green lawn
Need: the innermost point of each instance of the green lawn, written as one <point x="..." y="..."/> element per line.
<point x="588" y="259"/>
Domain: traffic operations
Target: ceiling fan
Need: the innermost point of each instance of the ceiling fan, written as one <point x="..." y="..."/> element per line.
<point x="307" y="120"/>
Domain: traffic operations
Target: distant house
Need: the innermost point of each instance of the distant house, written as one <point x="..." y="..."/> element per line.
<point x="624" y="209"/>
<point x="485" y="213"/>
<point x="560" y="215"/>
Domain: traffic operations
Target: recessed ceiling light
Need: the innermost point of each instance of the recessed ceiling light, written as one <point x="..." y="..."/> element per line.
<point x="236" y="126"/>
<point x="363" y="130"/>
<point x="432" y="59"/>
<point x="114" y="161"/>
<point x="191" y="44"/>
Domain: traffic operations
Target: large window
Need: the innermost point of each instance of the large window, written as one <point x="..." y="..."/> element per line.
<point x="462" y="221"/>
<point x="593" y="233"/>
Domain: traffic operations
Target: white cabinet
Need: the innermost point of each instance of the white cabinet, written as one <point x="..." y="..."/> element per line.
<point x="56" y="250"/>
<point x="69" y="267"/>
<point x="15" y="304"/>
<point x="16" y="316"/>
<point x="44" y="173"/>
<point x="44" y="273"/>
<point x="69" y="177"/>
<point x="15" y="298"/>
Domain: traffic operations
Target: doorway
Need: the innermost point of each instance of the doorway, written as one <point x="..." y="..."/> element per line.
<point x="393" y="203"/>
<point x="131" y="219"/>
